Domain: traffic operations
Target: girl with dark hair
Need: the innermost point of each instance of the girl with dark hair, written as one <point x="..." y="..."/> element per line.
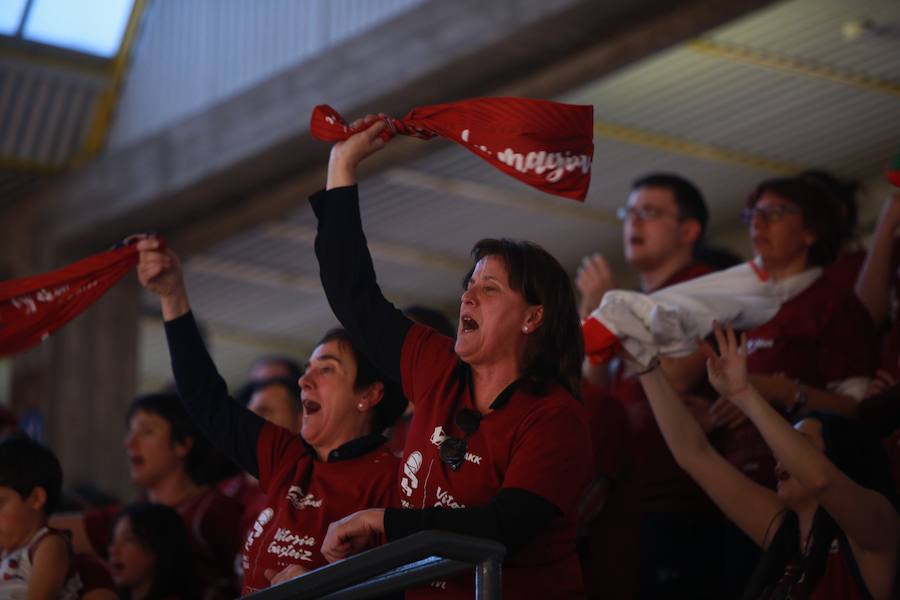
<point x="498" y="445"/>
<point x="150" y="554"/>
<point x="338" y="463"/>
<point x="831" y="528"/>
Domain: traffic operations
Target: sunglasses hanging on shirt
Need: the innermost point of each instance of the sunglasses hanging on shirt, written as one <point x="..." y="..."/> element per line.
<point x="453" y="449"/>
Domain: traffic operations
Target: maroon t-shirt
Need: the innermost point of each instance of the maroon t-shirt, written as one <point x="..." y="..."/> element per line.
<point x="539" y="444"/>
<point x="305" y="495"/>
<point x="210" y="518"/>
<point x="821" y="336"/>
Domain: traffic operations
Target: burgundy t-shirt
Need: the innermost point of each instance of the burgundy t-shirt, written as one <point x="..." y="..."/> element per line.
<point x="305" y="495"/>
<point x="210" y="519"/>
<point x="539" y="444"/>
<point x="821" y="336"/>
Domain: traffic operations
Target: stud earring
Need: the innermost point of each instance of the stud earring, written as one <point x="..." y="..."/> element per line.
<point x="360" y="406"/>
<point x="525" y="329"/>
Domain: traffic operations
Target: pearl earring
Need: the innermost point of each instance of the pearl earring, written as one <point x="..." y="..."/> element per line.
<point x="360" y="406"/>
<point x="525" y="329"/>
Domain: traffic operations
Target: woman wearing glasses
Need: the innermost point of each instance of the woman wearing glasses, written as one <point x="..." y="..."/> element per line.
<point x="498" y="445"/>
<point x="819" y="350"/>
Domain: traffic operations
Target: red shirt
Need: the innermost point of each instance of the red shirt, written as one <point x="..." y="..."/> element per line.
<point x="305" y="495"/>
<point x="539" y="444"/>
<point x="822" y="336"/>
<point x="210" y="518"/>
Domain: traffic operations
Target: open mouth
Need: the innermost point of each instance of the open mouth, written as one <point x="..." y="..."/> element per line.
<point x="135" y="461"/>
<point x="311" y="407"/>
<point x="636" y="240"/>
<point x="468" y="324"/>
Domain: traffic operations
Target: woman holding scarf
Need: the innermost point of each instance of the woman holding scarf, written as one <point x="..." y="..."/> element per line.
<point x="498" y="446"/>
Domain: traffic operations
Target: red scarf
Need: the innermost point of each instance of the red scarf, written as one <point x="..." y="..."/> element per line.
<point x="548" y="145"/>
<point x="31" y="308"/>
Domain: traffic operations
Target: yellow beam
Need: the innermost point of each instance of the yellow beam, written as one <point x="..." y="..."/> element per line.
<point x="793" y="66"/>
<point x="678" y="145"/>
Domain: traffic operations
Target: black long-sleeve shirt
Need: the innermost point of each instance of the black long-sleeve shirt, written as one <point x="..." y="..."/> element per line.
<point x="513" y="516"/>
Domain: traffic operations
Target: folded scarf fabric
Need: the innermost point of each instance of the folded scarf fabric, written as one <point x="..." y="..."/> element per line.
<point x="668" y="322"/>
<point x="31" y="308"/>
<point x="548" y="145"/>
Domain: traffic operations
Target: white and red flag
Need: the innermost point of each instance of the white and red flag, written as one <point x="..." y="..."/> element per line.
<point x="548" y="145"/>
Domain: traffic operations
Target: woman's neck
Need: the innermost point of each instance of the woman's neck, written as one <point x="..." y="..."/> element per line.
<point x="173" y="489"/>
<point x="489" y="381"/>
<point x="783" y="270"/>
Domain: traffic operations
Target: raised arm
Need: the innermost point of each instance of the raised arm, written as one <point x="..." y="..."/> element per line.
<point x="866" y="516"/>
<point x="873" y="282"/>
<point x="232" y="428"/>
<point x="345" y="265"/>
<point x="751" y="506"/>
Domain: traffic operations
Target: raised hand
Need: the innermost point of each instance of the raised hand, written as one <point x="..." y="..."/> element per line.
<point x="349" y="153"/>
<point x="353" y="534"/>
<point x="727" y="370"/>
<point x="593" y="279"/>
<point x="159" y="270"/>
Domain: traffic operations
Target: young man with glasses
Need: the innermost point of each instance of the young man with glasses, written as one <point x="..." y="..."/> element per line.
<point x="656" y="523"/>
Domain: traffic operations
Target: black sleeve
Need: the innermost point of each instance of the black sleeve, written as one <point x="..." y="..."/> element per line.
<point x="348" y="277"/>
<point x="513" y="517"/>
<point x="230" y="427"/>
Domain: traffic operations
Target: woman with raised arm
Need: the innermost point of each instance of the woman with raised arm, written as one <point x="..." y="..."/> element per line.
<point x="831" y="529"/>
<point x="339" y="463"/>
<point x="498" y="446"/>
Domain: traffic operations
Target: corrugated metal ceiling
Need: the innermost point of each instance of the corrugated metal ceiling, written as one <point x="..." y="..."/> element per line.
<point x="765" y="94"/>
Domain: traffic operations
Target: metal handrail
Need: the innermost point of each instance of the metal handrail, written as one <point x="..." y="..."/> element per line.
<point x="414" y="560"/>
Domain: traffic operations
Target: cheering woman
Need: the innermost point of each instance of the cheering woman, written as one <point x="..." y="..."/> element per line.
<point x="339" y="463"/>
<point x="498" y="445"/>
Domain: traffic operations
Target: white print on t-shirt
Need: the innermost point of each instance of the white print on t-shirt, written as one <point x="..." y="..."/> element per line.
<point x="299" y="500"/>
<point x="755" y="344"/>
<point x="445" y="499"/>
<point x="412" y="466"/>
<point x="264" y="517"/>
<point x="287" y="544"/>
<point x="442" y="585"/>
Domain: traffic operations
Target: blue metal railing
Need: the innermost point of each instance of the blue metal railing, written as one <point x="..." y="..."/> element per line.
<point x="414" y="560"/>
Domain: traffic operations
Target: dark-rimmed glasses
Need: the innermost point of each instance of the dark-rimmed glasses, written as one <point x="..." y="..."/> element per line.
<point x="643" y="213"/>
<point x="769" y="214"/>
<point x="453" y="449"/>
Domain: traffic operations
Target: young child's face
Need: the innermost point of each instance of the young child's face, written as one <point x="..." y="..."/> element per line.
<point x="151" y="453"/>
<point x="132" y="563"/>
<point x="20" y="517"/>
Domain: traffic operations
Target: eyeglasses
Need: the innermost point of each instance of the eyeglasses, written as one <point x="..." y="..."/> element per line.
<point x="453" y="449"/>
<point x="642" y="213"/>
<point x="769" y="214"/>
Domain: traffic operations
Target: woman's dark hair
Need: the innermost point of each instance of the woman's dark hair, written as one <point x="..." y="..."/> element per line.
<point x="162" y="532"/>
<point x="820" y="211"/>
<point x="393" y="402"/>
<point x="844" y="192"/>
<point x="204" y="464"/>
<point x="555" y="351"/>
<point x="854" y="449"/>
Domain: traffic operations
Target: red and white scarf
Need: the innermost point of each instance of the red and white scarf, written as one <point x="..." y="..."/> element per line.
<point x="548" y="145"/>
